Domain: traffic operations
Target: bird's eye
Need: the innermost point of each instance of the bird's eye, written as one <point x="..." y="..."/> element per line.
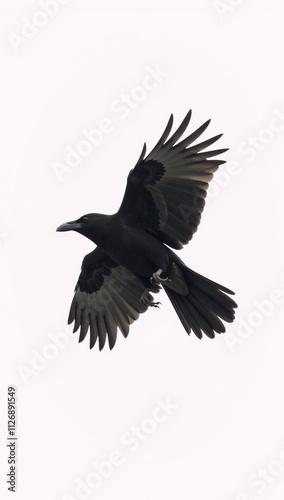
<point x="85" y="218"/>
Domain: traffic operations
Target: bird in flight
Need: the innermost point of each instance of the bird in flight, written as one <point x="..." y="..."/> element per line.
<point x="161" y="209"/>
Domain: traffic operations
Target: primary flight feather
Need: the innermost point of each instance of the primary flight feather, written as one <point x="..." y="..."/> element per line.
<point x="161" y="208"/>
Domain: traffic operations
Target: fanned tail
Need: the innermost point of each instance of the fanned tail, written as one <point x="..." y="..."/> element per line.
<point x="205" y="306"/>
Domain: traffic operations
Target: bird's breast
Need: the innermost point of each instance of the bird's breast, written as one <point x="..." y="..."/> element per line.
<point x="135" y="249"/>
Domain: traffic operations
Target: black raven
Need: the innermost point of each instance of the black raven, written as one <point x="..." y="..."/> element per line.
<point x="161" y="208"/>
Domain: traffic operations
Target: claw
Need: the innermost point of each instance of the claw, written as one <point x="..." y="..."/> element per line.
<point x="147" y="299"/>
<point x="156" y="277"/>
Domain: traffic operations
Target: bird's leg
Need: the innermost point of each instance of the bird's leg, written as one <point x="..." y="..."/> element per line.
<point x="147" y="299"/>
<point x="156" y="277"/>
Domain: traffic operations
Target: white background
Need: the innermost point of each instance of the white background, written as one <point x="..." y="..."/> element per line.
<point x="225" y="61"/>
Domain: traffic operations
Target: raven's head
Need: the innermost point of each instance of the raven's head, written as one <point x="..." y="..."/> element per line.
<point x="89" y="225"/>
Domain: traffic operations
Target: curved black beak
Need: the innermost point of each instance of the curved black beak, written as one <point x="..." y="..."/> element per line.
<point x="69" y="226"/>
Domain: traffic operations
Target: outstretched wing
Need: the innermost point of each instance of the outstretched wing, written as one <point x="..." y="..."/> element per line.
<point x="166" y="191"/>
<point x="107" y="296"/>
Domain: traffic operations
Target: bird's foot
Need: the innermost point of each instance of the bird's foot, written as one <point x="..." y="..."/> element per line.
<point x="147" y="300"/>
<point x="156" y="277"/>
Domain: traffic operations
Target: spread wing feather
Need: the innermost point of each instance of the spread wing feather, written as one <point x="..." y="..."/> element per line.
<point x="107" y="297"/>
<point x="166" y="190"/>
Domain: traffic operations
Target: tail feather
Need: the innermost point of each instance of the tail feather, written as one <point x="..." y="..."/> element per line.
<point x="210" y="314"/>
<point x="185" y="313"/>
<point x="226" y="314"/>
<point x="206" y="304"/>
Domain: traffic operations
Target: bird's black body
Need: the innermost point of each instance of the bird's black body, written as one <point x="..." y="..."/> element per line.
<point x="131" y="246"/>
<point x="161" y="208"/>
